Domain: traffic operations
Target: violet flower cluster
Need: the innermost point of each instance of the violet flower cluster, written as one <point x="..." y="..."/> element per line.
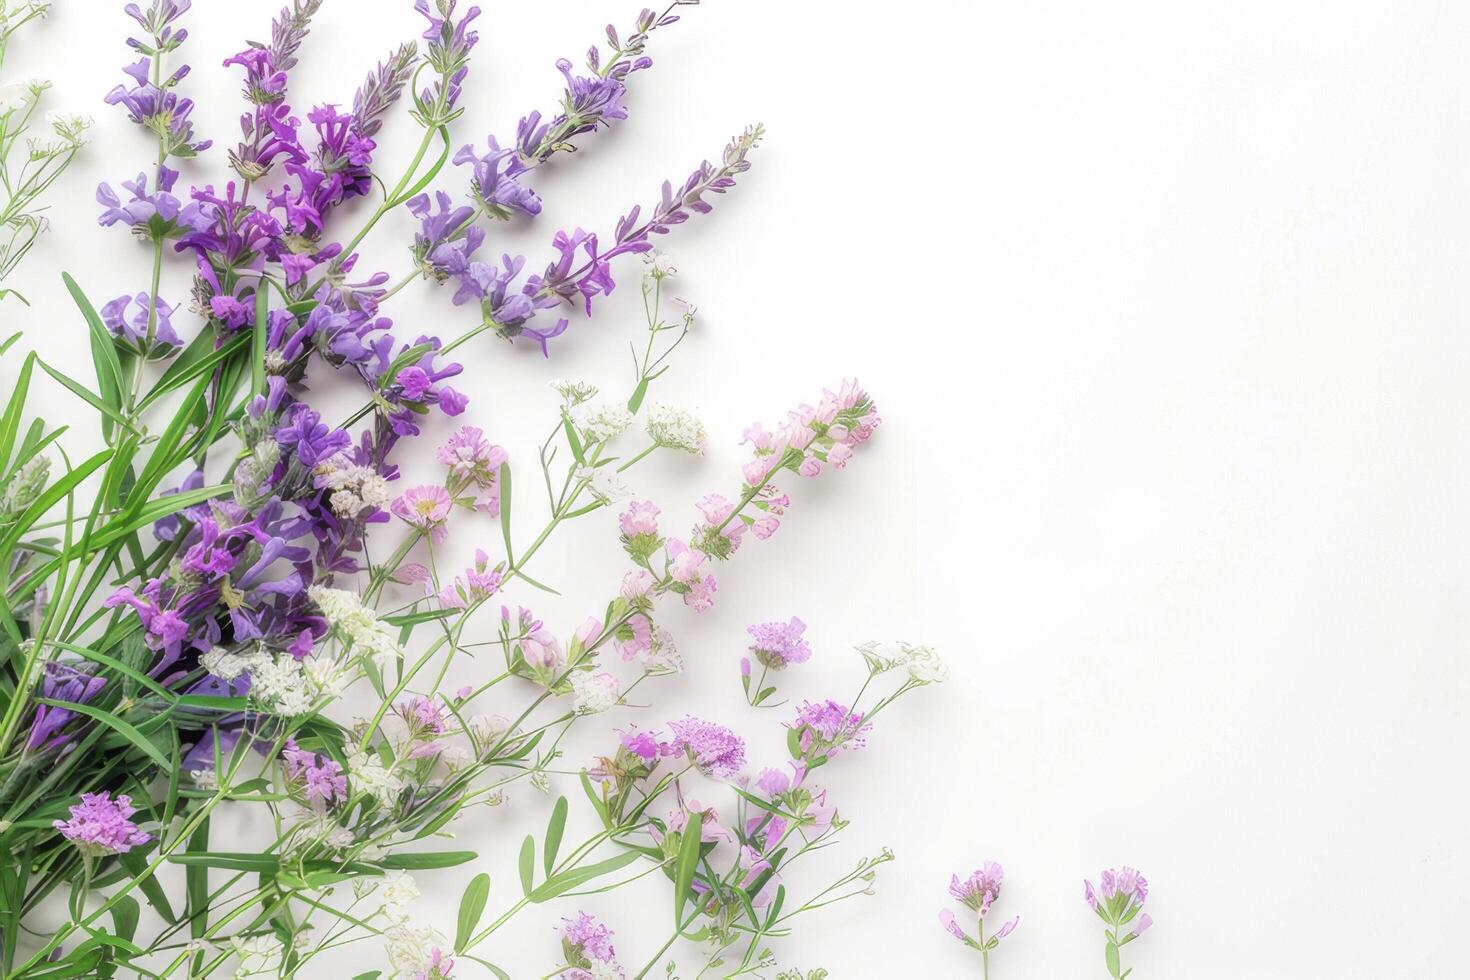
<point x="1118" y="901"/>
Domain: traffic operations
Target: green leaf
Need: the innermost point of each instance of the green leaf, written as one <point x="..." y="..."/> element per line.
<point x="198" y="358"/>
<point x="528" y="864"/>
<point x="136" y="863"/>
<point x="258" y="334"/>
<point x="636" y="401"/>
<point x="554" y="830"/>
<point x="597" y="803"/>
<point x="1110" y="954"/>
<point x="428" y="176"/>
<point x="471" y="907"/>
<point x="125" y="912"/>
<point x="228" y="860"/>
<point x="688" y="860"/>
<point x="426" y="861"/>
<point x="10" y="421"/>
<point x="577" y="877"/>
<point x="572" y="440"/>
<point x="82" y="392"/>
<point x="116" y="724"/>
<point x="104" y="354"/>
<point x="505" y="509"/>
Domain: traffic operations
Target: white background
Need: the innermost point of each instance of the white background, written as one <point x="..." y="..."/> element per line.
<point x="1163" y="305"/>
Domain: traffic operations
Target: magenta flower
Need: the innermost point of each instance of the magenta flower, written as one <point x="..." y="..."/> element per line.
<point x="427" y="508"/>
<point x="714" y="749"/>
<point x="978" y="892"/>
<point x="1118" y="901"/>
<point x="475" y="462"/>
<point x="476" y="585"/>
<point x="322" y="777"/>
<point x="99" y="825"/>
<point x="588" y="946"/>
<point x="777" y="645"/>
<point x="825" y="728"/>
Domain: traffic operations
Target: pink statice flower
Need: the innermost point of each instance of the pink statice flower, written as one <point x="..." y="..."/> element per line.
<point x="321" y="776"/>
<point x="587" y="947"/>
<point x="427" y="508"/>
<point x="475" y="463"/>
<point x="825" y="728"/>
<point x="978" y="892"/>
<point x="1118" y="901"/>
<point x="685" y="567"/>
<point x="100" y="825"/>
<point x="777" y="645"/>
<point x="478" y="583"/>
<point x="634" y="638"/>
<point x="714" y="749"/>
<point x="637" y="586"/>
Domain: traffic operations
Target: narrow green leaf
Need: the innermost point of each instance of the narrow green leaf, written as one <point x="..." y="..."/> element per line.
<point x="257" y="339"/>
<point x="528" y="864"/>
<point x="136" y="863"/>
<point x="505" y="509"/>
<point x="597" y="803"/>
<point x="228" y="860"/>
<point x="104" y="354"/>
<point x="471" y="907"/>
<point x="10" y="421"/>
<point x="571" y="433"/>
<point x="198" y="358"/>
<point x="116" y="724"/>
<point x="577" y="877"/>
<point x="81" y="391"/>
<point x="426" y="861"/>
<point x="636" y="401"/>
<point x="554" y="830"/>
<point x="1110" y="954"/>
<point x="688" y="860"/>
<point x="125" y="912"/>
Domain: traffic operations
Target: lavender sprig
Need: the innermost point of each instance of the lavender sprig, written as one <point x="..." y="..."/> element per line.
<point x="382" y="88"/>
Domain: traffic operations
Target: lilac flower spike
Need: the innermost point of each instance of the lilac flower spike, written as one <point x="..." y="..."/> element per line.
<point x="99" y="825"/>
<point x="1118" y="901"/>
<point x="977" y="893"/>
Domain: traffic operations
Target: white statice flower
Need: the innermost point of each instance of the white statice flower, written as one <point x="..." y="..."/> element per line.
<point x="257" y="955"/>
<point x="881" y="656"/>
<point x="281" y="684"/>
<point x="411" y="950"/>
<point x="71" y="127"/>
<point x="13" y="96"/>
<point x="456" y="757"/>
<point x="205" y="778"/>
<point x="355" y="623"/>
<point x="327" y="677"/>
<point x="599" y="423"/>
<point x="574" y="392"/>
<point x="674" y="428"/>
<point x="339" y="838"/>
<point x="658" y="265"/>
<point x="604" y="484"/>
<point x="662" y="655"/>
<point x="230" y="665"/>
<point x="924" y="664"/>
<point x="606" y="970"/>
<point x="486" y="730"/>
<point x="353" y="488"/>
<point x="595" y="693"/>
<point x="399" y="890"/>
<point x="368" y="775"/>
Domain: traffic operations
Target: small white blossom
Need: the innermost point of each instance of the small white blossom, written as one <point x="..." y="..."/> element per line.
<point x="281" y="685"/>
<point x="257" y="955"/>
<point x="205" y="778"/>
<point x="662" y="655"/>
<point x="603" y="484"/>
<point x="370" y="776"/>
<point x="411" y="950"/>
<point x="599" y="423"/>
<point x="399" y="890"/>
<point x="229" y="666"/>
<point x="354" y="488"/>
<point x="658" y="265"/>
<point x="355" y="623"/>
<point x="595" y="693"/>
<point x="924" y="664"/>
<point x="574" y="392"/>
<point x="541" y="781"/>
<point x="674" y="428"/>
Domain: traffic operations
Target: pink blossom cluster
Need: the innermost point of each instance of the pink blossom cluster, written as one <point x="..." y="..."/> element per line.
<point x="100" y="825"/>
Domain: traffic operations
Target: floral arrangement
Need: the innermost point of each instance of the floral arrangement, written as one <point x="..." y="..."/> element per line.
<point x="197" y="607"/>
<point x="220" y="602"/>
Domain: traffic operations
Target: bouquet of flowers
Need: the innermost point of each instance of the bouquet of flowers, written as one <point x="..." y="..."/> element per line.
<point x="194" y="610"/>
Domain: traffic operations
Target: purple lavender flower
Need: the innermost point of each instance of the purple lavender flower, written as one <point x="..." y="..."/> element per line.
<point x="131" y="333"/>
<point x="99" y="825"/>
<point x="61" y="682"/>
<point x="714" y="749"/>
<point x="153" y="217"/>
<point x="163" y="111"/>
<point x="449" y="44"/>
<point x="447" y="238"/>
<point x="777" y="645"/>
<point x="493" y="182"/>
